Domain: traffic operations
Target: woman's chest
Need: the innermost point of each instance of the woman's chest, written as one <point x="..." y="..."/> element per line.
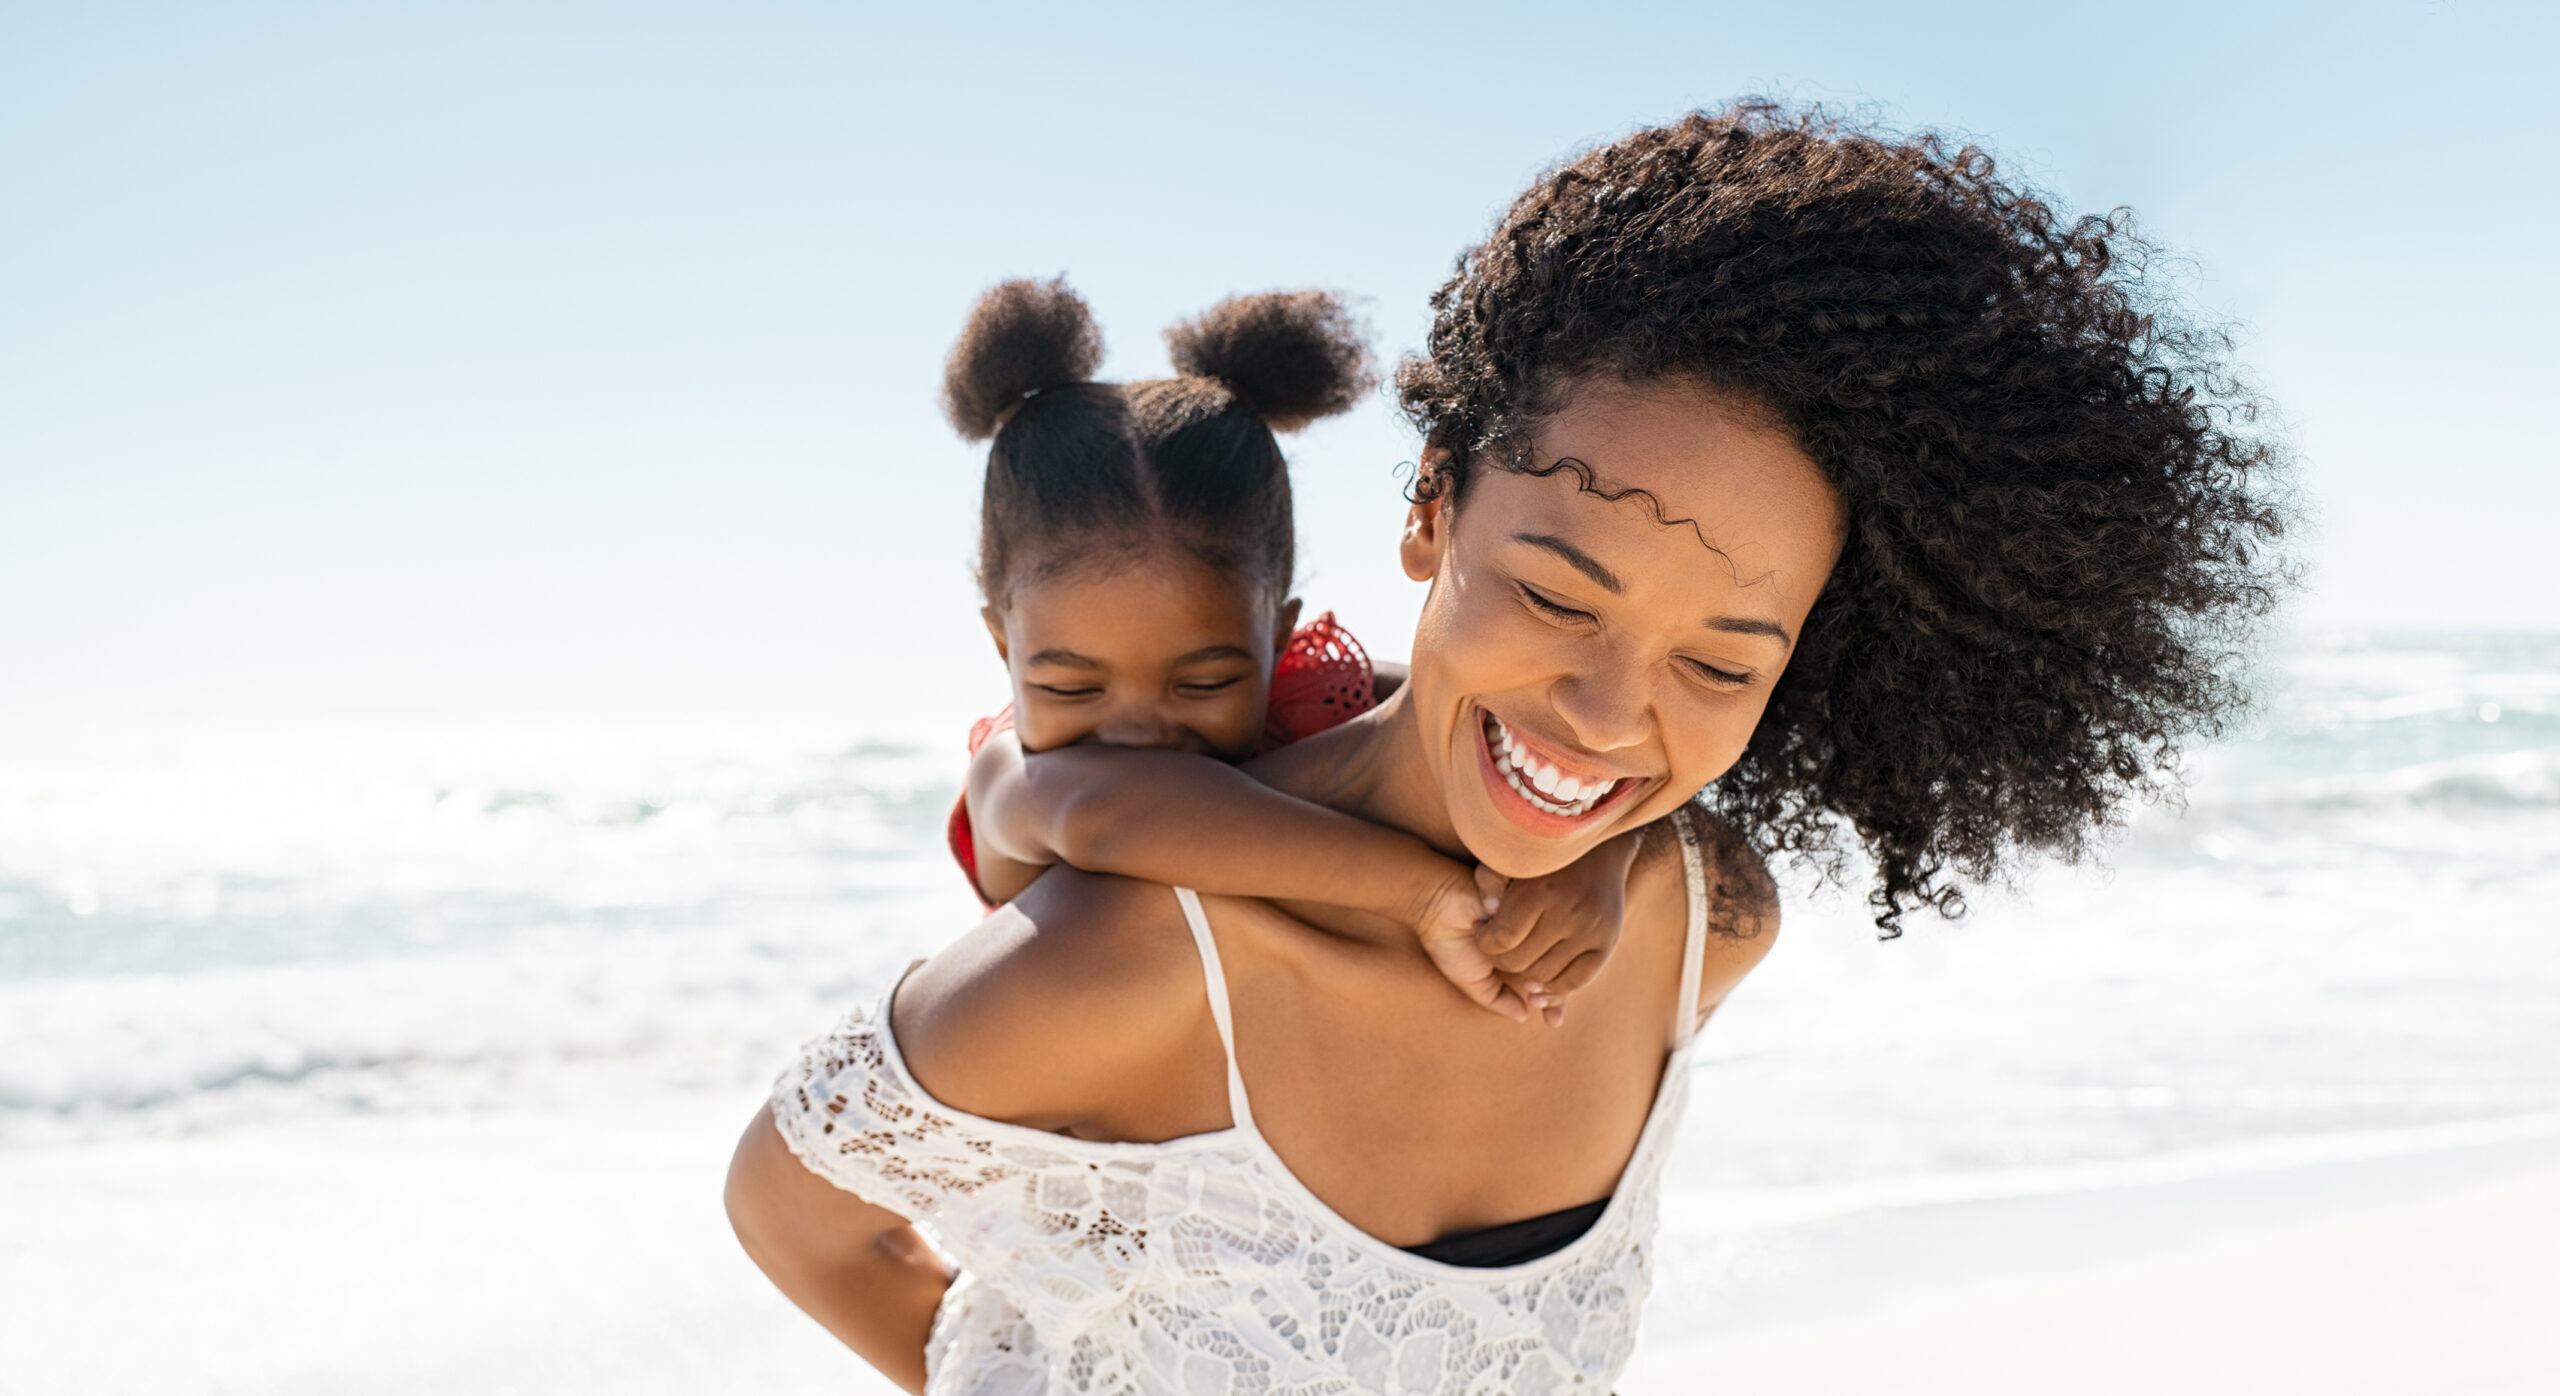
<point x="1416" y="1115"/>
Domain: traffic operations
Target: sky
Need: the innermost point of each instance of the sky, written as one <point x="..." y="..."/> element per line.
<point x="580" y="356"/>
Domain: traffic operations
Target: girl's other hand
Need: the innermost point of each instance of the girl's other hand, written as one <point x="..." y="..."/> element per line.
<point x="1549" y="935"/>
<point x="1450" y="912"/>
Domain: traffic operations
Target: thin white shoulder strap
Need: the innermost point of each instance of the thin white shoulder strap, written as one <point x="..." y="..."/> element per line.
<point x="1693" y="949"/>
<point x="1216" y="974"/>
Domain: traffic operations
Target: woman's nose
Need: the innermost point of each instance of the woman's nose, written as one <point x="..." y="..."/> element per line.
<point x="1605" y="705"/>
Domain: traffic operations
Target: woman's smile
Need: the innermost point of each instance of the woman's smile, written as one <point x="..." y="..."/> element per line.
<point x="1546" y="787"/>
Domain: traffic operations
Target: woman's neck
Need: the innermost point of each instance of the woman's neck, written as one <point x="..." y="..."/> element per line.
<point x="1373" y="766"/>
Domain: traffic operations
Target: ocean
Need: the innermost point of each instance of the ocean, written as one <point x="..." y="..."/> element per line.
<point x="2340" y="953"/>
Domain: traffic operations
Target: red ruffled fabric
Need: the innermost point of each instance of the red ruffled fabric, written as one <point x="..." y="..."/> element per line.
<point x="1323" y="679"/>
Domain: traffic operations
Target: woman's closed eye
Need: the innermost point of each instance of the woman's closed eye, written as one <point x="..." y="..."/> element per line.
<point x="1202" y="688"/>
<point x="1556" y="610"/>
<point x="1069" y="692"/>
<point x="1548" y="605"/>
<point x="1722" y="678"/>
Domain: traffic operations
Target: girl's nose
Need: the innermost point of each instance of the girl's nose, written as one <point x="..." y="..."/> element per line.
<point x="1137" y="727"/>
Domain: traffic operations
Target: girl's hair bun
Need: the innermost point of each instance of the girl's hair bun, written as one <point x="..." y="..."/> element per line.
<point x="1293" y="356"/>
<point x="1022" y="336"/>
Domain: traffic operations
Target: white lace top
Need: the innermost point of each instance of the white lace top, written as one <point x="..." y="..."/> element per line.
<point x="1202" y="1265"/>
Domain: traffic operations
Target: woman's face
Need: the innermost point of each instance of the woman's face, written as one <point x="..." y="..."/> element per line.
<point x="1581" y="667"/>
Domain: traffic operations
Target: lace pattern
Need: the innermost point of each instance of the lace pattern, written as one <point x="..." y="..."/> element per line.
<point x="1202" y="1265"/>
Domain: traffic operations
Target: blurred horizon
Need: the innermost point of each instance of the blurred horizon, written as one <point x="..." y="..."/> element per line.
<point x="486" y="358"/>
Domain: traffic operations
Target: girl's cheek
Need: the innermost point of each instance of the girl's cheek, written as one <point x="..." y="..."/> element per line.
<point x="1039" y="732"/>
<point x="1242" y="727"/>
<point x="1040" y="724"/>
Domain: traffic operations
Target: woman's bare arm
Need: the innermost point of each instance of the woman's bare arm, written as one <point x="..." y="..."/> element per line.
<point x="859" y="1270"/>
<point x="1101" y="1030"/>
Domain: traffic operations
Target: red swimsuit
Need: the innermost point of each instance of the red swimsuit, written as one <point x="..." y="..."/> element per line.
<point x="1323" y="678"/>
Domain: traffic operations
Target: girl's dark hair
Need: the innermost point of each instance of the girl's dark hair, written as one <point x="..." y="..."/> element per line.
<point x="1080" y="471"/>
<point x="2062" y="505"/>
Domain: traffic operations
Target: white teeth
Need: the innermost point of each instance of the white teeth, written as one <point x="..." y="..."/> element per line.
<point x="1541" y="784"/>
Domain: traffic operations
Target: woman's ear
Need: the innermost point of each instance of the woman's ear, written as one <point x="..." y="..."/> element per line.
<point x="1426" y="520"/>
<point x="995" y="628"/>
<point x="1426" y="535"/>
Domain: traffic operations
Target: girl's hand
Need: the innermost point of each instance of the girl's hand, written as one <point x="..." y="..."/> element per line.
<point x="1446" y="920"/>
<point x="1549" y="935"/>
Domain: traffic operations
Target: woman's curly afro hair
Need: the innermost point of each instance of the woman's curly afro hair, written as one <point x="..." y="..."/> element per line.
<point x="2062" y="507"/>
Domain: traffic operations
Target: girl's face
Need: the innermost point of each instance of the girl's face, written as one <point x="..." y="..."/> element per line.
<point x="1156" y="649"/>
<point x="1581" y="667"/>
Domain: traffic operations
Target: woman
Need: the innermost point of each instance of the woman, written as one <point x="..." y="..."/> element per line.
<point x="1819" y="466"/>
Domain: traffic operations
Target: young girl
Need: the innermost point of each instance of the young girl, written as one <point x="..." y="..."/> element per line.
<point x="1135" y="553"/>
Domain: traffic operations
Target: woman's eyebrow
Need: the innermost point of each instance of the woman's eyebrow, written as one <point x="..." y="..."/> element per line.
<point x="1580" y="561"/>
<point x="1746" y="625"/>
<point x="1593" y="568"/>
<point x="1069" y="658"/>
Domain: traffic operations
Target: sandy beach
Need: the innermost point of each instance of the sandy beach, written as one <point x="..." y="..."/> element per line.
<point x="581" y="1253"/>
<point x="498" y="1255"/>
<point x="2453" y="1296"/>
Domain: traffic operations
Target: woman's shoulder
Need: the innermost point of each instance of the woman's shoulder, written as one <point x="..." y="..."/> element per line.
<point x="1043" y="1013"/>
<point x="1741" y="897"/>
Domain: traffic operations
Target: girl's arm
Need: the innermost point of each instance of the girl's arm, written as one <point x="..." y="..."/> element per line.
<point x="1187" y="820"/>
<point x="859" y="1270"/>
<point x="1194" y="821"/>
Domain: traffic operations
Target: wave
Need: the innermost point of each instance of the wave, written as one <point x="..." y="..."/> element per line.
<point x="2505" y="780"/>
<point x="496" y="1027"/>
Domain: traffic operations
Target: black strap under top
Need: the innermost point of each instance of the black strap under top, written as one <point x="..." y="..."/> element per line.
<point x="1514" y="1243"/>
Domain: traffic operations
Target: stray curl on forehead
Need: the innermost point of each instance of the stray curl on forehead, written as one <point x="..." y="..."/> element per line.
<point x="1512" y="445"/>
<point x="1440" y="482"/>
